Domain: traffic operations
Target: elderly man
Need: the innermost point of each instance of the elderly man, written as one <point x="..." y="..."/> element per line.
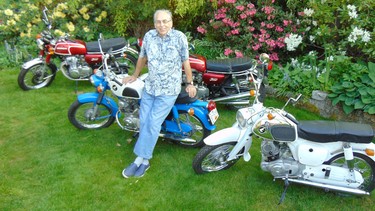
<point x="165" y="50"/>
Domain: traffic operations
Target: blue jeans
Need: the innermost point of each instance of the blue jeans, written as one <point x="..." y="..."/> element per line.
<point x="154" y="110"/>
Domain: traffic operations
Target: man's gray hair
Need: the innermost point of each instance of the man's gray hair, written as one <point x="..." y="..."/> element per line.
<point x="162" y="10"/>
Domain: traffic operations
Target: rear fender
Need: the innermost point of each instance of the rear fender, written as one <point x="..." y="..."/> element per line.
<point x="92" y="98"/>
<point x="200" y="112"/>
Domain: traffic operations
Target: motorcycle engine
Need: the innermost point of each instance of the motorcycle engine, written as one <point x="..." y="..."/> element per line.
<point x="76" y="67"/>
<point x="130" y="109"/>
<point x="278" y="160"/>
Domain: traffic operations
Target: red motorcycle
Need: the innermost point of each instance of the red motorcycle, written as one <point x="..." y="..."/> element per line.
<point x="226" y="81"/>
<point x="78" y="59"/>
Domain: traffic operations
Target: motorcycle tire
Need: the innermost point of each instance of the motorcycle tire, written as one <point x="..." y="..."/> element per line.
<point x="199" y="131"/>
<point x="213" y="158"/>
<point x="37" y="76"/>
<point x="363" y="164"/>
<point x="79" y="114"/>
<point x="127" y="64"/>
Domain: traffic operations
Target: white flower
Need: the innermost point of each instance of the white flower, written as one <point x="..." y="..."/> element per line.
<point x="366" y="36"/>
<point x="352" y="11"/>
<point x="294" y="62"/>
<point x="293" y="41"/>
<point x="353" y="14"/>
<point x="312" y="38"/>
<point x="315" y="23"/>
<point x="308" y="12"/>
<point x="351" y="7"/>
<point x="312" y="53"/>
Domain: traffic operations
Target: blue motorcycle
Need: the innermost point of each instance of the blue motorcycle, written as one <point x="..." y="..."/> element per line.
<point x="189" y="122"/>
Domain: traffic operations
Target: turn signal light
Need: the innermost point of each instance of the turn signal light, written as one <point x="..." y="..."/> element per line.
<point x="38" y="36"/>
<point x="191" y="111"/>
<point x="270" y="65"/>
<point x="270" y="116"/>
<point x="99" y="88"/>
<point x="51" y="51"/>
<point x="370" y="152"/>
<point x="252" y="93"/>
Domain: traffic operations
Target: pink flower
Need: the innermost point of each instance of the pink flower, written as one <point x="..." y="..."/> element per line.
<point x="230" y="1"/>
<point x="301" y="13"/>
<point x="286" y="22"/>
<point x="228" y="51"/>
<point x="256" y="47"/>
<point x="251" y="13"/>
<point x="240" y="7"/>
<point x="238" y="54"/>
<point x="250" y="22"/>
<point x="268" y="10"/>
<point x="274" y="56"/>
<point x="262" y="24"/>
<point x="235" y="31"/>
<point x="250" y="6"/>
<point x="243" y="16"/>
<point x="279" y="29"/>
<point x="270" y="25"/>
<point x="271" y="43"/>
<point x="251" y="28"/>
<point x="201" y="30"/>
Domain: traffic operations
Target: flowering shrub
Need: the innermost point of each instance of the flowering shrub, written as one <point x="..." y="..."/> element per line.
<point x="244" y="28"/>
<point x="79" y="20"/>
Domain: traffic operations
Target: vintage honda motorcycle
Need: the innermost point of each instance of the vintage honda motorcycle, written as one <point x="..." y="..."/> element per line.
<point x="189" y="122"/>
<point x="78" y="59"/>
<point x="226" y="81"/>
<point x="337" y="156"/>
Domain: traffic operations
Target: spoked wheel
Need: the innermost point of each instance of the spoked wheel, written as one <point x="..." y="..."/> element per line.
<point x="84" y="116"/>
<point x="195" y="137"/>
<point x="363" y="164"/>
<point x="213" y="158"/>
<point x="127" y="64"/>
<point x="37" y="76"/>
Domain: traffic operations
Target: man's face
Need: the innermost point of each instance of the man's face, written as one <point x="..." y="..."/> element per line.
<point x="163" y="23"/>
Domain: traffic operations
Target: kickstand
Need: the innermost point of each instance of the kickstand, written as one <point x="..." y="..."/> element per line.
<point x="76" y="87"/>
<point x="135" y="135"/>
<point x="286" y="185"/>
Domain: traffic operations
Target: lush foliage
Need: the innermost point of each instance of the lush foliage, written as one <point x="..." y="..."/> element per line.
<point x="356" y="87"/>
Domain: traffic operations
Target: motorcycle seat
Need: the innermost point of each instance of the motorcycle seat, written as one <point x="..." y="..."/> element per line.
<point x="183" y="98"/>
<point x="332" y="131"/>
<point x="114" y="43"/>
<point x="228" y="66"/>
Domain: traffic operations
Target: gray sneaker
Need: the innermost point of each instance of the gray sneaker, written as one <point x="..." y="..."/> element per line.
<point x="130" y="170"/>
<point x="141" y="170"/>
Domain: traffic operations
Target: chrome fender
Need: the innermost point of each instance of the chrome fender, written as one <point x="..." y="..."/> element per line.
<point x="231" y="134"/>
<point x="32" y="62"/>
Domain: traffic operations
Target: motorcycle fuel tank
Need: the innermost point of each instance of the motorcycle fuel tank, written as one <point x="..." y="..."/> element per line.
<point x="197" y="63"/>
<point x="69" y="47"/>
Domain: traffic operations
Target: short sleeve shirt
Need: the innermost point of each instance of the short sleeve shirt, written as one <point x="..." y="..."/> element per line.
<point x="165" y="56"/>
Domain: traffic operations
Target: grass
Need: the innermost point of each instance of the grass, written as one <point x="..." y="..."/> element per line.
<point x="47" y="164"/>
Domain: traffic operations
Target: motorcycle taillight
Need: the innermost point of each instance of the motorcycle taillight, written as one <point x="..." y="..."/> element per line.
<point x="211" y="105"/>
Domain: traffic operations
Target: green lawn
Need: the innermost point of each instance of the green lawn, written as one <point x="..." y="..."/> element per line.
<point x="47" y="164"/>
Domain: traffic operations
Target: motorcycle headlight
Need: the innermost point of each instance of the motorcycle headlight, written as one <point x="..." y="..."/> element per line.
<point x="241" y="119"/>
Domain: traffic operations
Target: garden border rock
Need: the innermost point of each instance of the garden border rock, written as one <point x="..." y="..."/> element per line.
<point x="322" y="105"/>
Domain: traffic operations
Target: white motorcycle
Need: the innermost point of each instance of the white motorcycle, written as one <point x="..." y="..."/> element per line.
<point x="337" y="156"/>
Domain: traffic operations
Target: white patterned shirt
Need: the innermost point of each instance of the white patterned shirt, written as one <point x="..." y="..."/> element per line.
<point x="165" y="56"/>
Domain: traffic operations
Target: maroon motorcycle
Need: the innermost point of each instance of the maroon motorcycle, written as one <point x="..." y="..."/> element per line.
<point x="78" y="59"/>
<point x="226" y="81"/>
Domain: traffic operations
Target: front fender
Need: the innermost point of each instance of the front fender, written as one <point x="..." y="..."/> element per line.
<point x="32" y="62"/>
<point x="231" y="134"/>
<point x="92" y="98"/>
<point x="200" y="112"/>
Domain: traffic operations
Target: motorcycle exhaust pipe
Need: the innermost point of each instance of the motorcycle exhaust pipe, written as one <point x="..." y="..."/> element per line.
<point x="174" y="138"/>
<point x="237" y="97"/>
<point x="329" y="187"/>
